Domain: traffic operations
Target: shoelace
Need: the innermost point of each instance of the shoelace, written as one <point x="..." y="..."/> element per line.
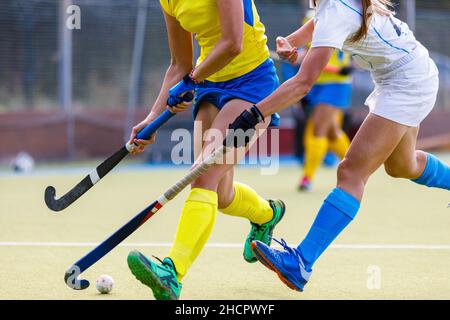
<point x="257" y="229"/>
<point x="287" y="248"/>
<point x="158" y="259"/>
<point x="305" y="275"/>
<point x="162" y="262"/>
<point x="168" y="280"/>
<point x="253" y="234"/>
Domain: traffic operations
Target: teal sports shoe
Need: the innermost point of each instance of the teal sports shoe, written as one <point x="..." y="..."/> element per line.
<point x="263" y="232"/>
<point x="161" y="278"/>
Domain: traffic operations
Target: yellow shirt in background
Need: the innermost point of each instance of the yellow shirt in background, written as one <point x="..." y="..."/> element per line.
<point x="338" y="59"/>
<point x="201" y="17"/>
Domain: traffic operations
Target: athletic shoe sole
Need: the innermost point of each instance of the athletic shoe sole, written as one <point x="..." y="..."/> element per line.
<point x="140" y="269"/>
<point x="261" y="257"/>
<point x="305" y="188"/>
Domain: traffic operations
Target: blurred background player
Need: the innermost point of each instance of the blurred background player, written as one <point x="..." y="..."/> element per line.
<point x="233" y="71"/>
<point x="325" y="105"/>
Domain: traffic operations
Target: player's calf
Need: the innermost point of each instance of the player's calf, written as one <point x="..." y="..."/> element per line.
<point x="435" y="175"/>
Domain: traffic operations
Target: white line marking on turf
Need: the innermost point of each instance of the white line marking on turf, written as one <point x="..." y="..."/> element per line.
<point x="231" y="245"/>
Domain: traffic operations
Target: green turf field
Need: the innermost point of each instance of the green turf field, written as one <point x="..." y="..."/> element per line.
<point x="397" y="248"/>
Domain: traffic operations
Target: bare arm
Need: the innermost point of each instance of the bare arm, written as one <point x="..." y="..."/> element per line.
<point x="287" y="47"/>
<point x="297" y="87"/>
<point x="182" y="56"/>
<point x="302" y="36"/>
<point x="328" y="69"/>
<point x="229" y="46"/>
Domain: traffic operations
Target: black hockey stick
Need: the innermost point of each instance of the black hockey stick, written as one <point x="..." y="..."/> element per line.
<point x="106" y="166"/>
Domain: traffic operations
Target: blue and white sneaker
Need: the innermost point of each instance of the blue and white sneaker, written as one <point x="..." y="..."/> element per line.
<point x="287" y="263"/>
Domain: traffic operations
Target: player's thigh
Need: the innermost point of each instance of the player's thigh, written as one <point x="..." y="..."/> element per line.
<point x="226" y="116"/>
<point x="220" y="125"/>
<point x="220" y="175"/>
<point x="323" y="117"/>
<point x="225" y="189"/>
<point x="403" y="160"/>
<point x="374" y="142"/>
<point x="206" y="114"/>
<point x="335" y="129"/>
<point x="231" y="111"/>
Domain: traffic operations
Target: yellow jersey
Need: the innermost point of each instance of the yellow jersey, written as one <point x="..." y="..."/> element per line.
<point x="339" y="59"/>
<point x="201" y="17"/>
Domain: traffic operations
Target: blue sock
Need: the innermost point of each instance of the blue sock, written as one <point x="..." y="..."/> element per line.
<point x="436" y="174"/>
<point x="337" y="211"/>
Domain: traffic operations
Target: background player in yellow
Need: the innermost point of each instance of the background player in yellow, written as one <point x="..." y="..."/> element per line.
<point x="233" y="70"/>
<point x="329" y="97"/>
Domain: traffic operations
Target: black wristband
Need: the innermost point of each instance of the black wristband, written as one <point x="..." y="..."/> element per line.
<point x="257" y="113"/>
<point x="346" y="71"/>
<point x="187" y="78"/>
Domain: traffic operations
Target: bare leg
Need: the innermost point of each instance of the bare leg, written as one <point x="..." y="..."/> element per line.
<point x="212" y="190"/>
<point x="378" y="141"/>
<point x="323" y="118"/>
<point x="220" y="177"/>
<point x="374" y="143"/>
<point x="405" y="161"/>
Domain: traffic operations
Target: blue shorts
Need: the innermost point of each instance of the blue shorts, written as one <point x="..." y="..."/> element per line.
<point x="288" y="71"/>
<point x="338" y="95"/>
<point x="253" y="87"/>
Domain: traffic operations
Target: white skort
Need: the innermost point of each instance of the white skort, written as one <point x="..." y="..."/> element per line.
<point x="406" y="91"/>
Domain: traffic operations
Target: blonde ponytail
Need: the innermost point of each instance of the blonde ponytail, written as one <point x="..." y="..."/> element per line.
<point x="382" y="7"/>
<point x="369" y="7"/>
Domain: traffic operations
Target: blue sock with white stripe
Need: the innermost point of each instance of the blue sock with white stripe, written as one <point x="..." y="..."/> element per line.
<point x="436" y="174"/>
<point x="337" y="211"/>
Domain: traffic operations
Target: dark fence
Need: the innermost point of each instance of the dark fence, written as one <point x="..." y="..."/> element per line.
<point x="102" y="51"/>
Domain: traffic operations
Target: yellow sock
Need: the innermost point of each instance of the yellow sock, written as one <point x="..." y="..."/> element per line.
<point x="340" y="118"/>
<point x="248" y="204"/>
<point x="340" y="145"/>
<point x="315" y="150"/>
<point x="196" y="223"/>
<point x="309" y="131"/>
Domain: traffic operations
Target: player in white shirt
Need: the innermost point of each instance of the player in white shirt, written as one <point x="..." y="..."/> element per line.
<point x="406" y="86"/>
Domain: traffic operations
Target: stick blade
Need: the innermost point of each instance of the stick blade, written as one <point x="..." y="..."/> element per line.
<point x="67" y="199"/>
<point x="50" y="199"/>
<point x="71" y="278"/>
<point x="84" y="185"/>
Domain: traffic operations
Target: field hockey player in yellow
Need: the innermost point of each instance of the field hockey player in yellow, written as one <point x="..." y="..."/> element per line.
<point x="233" y="71"/>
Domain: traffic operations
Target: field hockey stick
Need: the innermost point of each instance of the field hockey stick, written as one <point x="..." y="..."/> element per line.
<point x="106" y="166"/>
<point x="71" y="275"/>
